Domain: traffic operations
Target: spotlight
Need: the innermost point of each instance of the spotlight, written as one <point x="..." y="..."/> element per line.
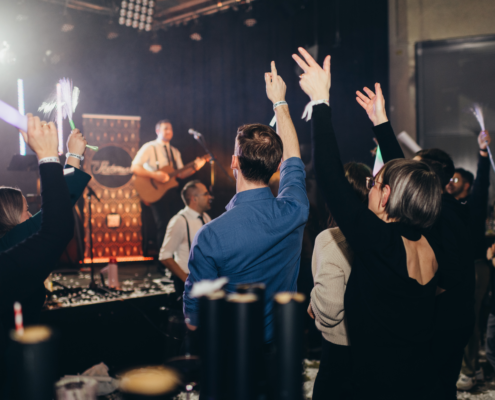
<point x="249" y="18"/>
<point x="68" y="25"/>
<point x="195" y="31"/>
<point x="7" y="57"/>
<point x="112" y="31"/>
<point x="137" y="13"/>
<point x="155" y="46"/>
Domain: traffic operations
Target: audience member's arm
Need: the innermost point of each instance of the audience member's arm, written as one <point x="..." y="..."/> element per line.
<point x="361" y="227"/>
<point x="76" y="144"/>
<point x="275" y="90"/>
<point x="374" y="105"/>
<point x="479" y="195"/>
<point x="202" y="265"/>
<point x="27" y="265"/>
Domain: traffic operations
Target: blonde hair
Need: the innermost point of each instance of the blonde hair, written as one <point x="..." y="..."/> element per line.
<point x="11" y="207"/>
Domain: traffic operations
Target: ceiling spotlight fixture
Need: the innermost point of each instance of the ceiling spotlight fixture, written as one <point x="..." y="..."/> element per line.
<point x="112" y="31"/>
<point x="68" y="24"/>
<point x="195" y="31"/>
<point x="156" y="48"/>
<point x="137" y="13"/>
<point x="6" y="55"/>
<point x="249" y="19"/>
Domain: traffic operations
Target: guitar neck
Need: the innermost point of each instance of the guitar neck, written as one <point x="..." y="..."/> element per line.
<point x="184" y="168"/>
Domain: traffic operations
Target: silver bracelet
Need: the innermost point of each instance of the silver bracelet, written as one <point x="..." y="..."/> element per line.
<point x="48" y="160"/>
<point x="279" y="103"/>
<point x="69" y="154"/>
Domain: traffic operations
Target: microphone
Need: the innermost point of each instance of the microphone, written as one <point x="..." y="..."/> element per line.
<point x="195" y="133"/>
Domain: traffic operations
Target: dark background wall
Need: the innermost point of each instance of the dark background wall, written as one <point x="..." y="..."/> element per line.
<point x="213" y="85"/>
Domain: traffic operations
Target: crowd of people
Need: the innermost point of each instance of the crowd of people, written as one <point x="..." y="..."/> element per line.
<point x="399" y="275"/>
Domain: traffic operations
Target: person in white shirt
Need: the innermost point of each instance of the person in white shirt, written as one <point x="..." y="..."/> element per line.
<point x="174" y="253"/>
<point x="153" y="156"/>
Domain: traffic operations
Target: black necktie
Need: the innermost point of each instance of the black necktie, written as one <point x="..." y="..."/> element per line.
<point x="202" y="219"/>
<point x="170" y="157"/>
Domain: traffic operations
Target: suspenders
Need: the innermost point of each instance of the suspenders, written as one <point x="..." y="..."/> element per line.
<point x="171" y="159"/>
<point x="188" y="235"/>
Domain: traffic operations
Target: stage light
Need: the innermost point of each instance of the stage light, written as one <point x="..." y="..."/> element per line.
<point x="137" y="13"/>
<point x="20" y="103"/>
<point x="112" y="31"/>
<point x="155" y="46"/>
<point x="249" y="19"/>
<point x="195" y="31"/>
<point x="7" y="57"/>
<point x="68" y="24"/>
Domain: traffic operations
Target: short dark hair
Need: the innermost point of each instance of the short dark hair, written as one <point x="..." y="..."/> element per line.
<point x="466" y="175"/>
<point x="162" y="121"/>
<point x="259" y="150"/>
<point x="356" y="174"/>
<point x="11" y="207"/>
<point x="440" y="162"/>
<point x="415" y="192"/>
<point x="187" y="191"/>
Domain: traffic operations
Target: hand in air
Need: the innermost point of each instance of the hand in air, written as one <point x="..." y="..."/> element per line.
<point x="41" y="137"/>
<point x="199" y="163"/>
<point x="76" y="143"/>
<point x="161" y="177"/>
<point x="373" y="104"/>
<point x="315" y="81"/>
<point x="275" y="85"/>
<point x="484" y="140"/>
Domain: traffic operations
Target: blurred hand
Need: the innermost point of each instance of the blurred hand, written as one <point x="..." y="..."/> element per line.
<point x="484" y="137"/>
<point x="275" y="85"/>
<point x="373" y="104"/>
<point x="161" y="176"/>
<point x="76" y="143"/>
<point x="199" y="163"/>
<point x="310" y="311"/>
<point x="315" y="81"/>
<point x="41" y="137"/>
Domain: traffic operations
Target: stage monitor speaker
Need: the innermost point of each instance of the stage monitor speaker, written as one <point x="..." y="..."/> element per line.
<point x="116" y="219"/>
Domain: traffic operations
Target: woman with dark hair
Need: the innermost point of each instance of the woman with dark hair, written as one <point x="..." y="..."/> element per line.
<point x="332" y="261"/>
<point x="390" y="296"/>
<point x="16" y="222"/>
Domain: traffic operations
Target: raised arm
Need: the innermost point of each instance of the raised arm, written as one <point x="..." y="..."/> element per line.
<point x="27" y="265"/>
<point x="374" y="105"/>
<point x="275" y="90"/>
<point x="360" y="226"/>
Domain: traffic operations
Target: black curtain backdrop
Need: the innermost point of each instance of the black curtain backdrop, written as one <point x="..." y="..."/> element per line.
<point x="213" y="86"/>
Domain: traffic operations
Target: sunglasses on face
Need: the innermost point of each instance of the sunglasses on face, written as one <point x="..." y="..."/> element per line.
<point x="454" y="180"/>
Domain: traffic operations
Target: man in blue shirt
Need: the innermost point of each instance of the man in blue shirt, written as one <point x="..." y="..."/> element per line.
<point x="259" y="238"/>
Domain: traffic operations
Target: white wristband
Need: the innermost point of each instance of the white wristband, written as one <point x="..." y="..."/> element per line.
<point x="49" y="160"/>
<point x="279" y="103"/>
<point x="69" y="154"/>
<point x="308" y="111"/>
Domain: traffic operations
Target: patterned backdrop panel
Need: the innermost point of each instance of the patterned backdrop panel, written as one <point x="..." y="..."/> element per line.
<point x="116" y="219"/>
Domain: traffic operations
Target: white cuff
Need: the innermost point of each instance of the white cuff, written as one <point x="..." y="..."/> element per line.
<point x="308" y="111"/>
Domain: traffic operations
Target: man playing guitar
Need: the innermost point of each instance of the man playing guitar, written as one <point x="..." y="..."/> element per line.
<point x="152" y="157"/>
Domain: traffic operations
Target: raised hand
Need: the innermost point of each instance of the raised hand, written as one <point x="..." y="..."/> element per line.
<point x="315" y="81"/>
<point x="484" y="140"/>
<point x="41" y="137"/>
<point x="373" y="104"/>
<point x="76" y="143"/>
<point x="275" y="85"/>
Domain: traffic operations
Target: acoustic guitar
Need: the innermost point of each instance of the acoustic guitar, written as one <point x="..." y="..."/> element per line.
<point x="150" y="190"/>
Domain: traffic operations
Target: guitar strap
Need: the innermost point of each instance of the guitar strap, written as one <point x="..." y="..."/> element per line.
<point x="156" y="158"/>
<point x="188" y="235"/>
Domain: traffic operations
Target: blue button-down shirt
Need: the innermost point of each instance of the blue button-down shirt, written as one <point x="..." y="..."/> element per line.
<point x="258" y="239"/>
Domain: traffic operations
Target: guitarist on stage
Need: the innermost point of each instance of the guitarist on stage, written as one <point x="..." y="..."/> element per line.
<point x="147" y="163"/>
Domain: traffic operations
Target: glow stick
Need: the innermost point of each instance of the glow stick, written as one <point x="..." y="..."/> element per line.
<point x="20" y="106"/>
<point x="478" y="113"/>
<point x="12" y="116"/>
<point x="19" y="326"/>
<point x="378" y="161"/>
<point x="60" y="117"/>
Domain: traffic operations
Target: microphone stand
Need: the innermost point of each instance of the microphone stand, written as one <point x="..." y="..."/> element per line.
<point x="91" y="193"/>
<point x="200" y="139"/>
